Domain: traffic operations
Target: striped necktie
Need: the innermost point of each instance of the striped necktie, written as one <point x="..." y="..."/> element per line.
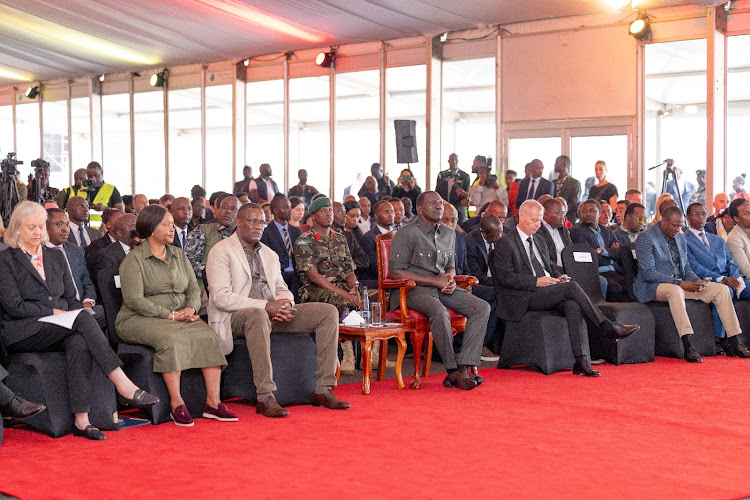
<point x="287" y="242"/>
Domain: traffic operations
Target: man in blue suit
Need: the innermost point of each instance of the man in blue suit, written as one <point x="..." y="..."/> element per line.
<point x="533" y="187"/>
<point x="709" y="257"/>
<point x="280" y="236"/>
<point x="664" y="274"/>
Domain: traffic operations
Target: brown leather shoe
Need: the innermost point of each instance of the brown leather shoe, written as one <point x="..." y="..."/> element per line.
<point x="460" y="379"/>
<point x="270" y="408"/>
<point x="329" y="400"/>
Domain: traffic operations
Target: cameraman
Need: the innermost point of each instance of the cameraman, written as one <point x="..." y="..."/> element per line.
<point x="100" y="194"/>
<point x="407" y="186"/>
<point x="79" y="176"/>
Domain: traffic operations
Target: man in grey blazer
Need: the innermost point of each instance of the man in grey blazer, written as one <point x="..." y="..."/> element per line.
<point x="250" y="299"/>
<point x="664" y="274"/>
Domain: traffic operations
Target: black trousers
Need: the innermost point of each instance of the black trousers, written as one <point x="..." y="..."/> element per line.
<point x="82" y="343"/>
<point x="569" y="299"/>
<point x="6" y="395"/>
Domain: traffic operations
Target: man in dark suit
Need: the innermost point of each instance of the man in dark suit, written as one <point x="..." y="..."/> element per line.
<point x="527" y="281"/>
<point x="479" y="244"/>
<point x="567" y="187"/>
<point x="602" y="239"/>
<point x="122" y="231"/>
<point x="450" y="219"/>
<point x="243" y="186"/>
<point x="58" y="231"/>
<point x="280" y="236"/>
<point x="495" y="207"/>
<point x="182" y="213"/>
<point x="384" y="217"/>
<point x="554" y="232"/>
<point x="453" y="186"/>
<point x="80" y="233"/>
<point x="533" y="187"/>
<point x="109" y="217"/>
<point x="665" y="275"/>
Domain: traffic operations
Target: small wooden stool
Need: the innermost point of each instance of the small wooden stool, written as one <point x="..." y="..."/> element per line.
<point x="366" y="334"/>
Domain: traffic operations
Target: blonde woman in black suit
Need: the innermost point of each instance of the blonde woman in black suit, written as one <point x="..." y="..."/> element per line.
<point x="34" y="283"/>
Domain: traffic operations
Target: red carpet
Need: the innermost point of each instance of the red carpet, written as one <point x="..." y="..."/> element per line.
<point x="663" y="429"/>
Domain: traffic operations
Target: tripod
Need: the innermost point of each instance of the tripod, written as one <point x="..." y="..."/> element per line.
<point x="665" y="178"/>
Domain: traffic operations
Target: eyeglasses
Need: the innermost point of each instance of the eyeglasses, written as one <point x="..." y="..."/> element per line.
<point x="255" y="222"/>
<point x="640" y="220"/>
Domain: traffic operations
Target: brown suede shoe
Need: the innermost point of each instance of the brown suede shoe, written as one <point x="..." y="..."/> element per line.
<point x="270" y="408"/>
<point x="329" y="400"/>
<point x="460" y="379"/>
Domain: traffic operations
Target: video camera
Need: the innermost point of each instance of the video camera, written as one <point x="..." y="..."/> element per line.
<point x="9" y="165"/>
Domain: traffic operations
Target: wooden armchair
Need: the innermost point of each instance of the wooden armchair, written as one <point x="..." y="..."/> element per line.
<point x="418" y="324"/>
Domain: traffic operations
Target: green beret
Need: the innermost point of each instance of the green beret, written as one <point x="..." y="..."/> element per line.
<point x="319" y="203"/>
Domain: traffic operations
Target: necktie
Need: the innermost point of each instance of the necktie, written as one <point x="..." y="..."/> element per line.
<point x="287" y="242"/>
<point x="82" y="237"/>
<point x="70" y="270"/>
<point x="182" y="238"/>
<point x="530" y="195"/>
<point x="535" y="264"/>
<point x="705" y="241"/>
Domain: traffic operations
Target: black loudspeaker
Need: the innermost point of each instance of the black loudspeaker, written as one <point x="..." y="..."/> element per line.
<point x="406" y="141"/>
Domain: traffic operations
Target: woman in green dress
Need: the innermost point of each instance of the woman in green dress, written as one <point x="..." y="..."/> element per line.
<point x="160" y="300"/>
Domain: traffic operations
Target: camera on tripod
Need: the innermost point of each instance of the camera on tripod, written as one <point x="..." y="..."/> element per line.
<point x="9" y="165"/>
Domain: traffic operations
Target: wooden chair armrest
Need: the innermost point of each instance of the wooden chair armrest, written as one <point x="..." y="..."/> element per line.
<point x="465" y="281"/>
<point x="400" y="283"/>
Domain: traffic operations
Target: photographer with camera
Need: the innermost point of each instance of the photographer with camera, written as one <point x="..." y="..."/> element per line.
<point x="14" y="191"/>
<point x="407" y="186"/>
<point x="39" y="189"/>
<point x="98" y="193"/>
<point x="487" y="189"/>
<point x="79" y="177"/>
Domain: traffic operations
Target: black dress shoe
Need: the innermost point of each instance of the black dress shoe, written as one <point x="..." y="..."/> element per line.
<point x="739" y="351"/>
<point x="583" y="367"/>
<point x="141" y="399"/>
<point x="692" y="356"/>
<point x="619" y="332"/>
<point x="90" y="432"/>
<point x="20" y="409"/>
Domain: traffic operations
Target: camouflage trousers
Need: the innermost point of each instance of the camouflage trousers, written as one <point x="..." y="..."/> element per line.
<point x="313" y="293"/>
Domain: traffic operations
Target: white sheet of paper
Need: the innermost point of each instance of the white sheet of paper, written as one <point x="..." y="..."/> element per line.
<point x="582" y="257"/>
<point x="65" y="319"/>
<point x="117" y="281"/>
<point x="353" y="319"/>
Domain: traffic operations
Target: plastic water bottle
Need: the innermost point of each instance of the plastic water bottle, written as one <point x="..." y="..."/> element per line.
<point x="365" y="309"/>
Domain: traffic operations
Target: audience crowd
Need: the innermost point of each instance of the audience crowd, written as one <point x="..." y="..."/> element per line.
<point x="196" y="273"/>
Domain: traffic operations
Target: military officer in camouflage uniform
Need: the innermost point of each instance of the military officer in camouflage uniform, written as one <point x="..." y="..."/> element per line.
<point x="323" y="261"/>
<point x="326" y="269"/>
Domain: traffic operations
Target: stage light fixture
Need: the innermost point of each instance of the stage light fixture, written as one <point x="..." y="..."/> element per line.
<point x="325" y="59"/>
<point x="641" y="28"/>
<point x="158" y="79"/>
<point x="246" y="62"/>
<point x="32" y="92"/>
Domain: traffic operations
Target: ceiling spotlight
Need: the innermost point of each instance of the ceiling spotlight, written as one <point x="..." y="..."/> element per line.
<point x="101" y="78"/>
<point x="641" y="28"/>
<point x="158" y="79"/>
<point x="325" y="59"/>
<point x="32" y="92"/>
<point x="246" y="62"/>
